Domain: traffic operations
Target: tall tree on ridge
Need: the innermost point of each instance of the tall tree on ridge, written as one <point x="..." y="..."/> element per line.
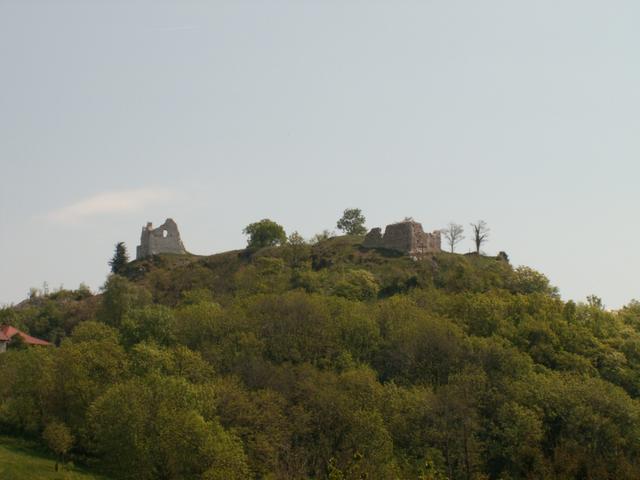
<point x="120" y="259"/>
<point x="453" y="235"/>
<point x="352" y="222"/>
<point x="480" y="234"/>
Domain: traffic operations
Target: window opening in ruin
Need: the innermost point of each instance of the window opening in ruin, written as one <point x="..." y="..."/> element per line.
<point x="164" y="234"/>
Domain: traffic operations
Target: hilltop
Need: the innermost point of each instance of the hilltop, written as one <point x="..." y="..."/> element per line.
<point x="330" y="360"/>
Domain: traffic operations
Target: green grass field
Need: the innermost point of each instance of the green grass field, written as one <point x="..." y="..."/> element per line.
<point x="19" y="460"/>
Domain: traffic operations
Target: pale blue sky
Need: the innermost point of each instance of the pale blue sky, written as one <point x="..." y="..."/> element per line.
<point x="523" y="113"/>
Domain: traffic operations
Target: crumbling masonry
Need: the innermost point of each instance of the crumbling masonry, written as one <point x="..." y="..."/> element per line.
<point x="407" y="237"/>
<point x="164" y="239"/>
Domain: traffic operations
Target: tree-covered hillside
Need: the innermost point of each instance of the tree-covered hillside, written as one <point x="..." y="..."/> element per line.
<point x="329" y="361"/>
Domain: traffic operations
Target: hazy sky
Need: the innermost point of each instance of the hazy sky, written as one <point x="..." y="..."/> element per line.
<point x="523" y="113"/>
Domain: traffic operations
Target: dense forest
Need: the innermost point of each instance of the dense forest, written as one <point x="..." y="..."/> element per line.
<point x="328" y="361"/>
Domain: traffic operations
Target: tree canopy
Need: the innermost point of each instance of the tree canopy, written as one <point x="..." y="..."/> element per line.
<point x="352" y="222"/>
<point x="120" y="258"/>
<point x="59" y="439"/>
<point x="265" y="233"/>
<point x="328" y="361"/>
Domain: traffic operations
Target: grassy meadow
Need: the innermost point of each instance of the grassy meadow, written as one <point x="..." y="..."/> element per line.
<point x="20" y="460"/>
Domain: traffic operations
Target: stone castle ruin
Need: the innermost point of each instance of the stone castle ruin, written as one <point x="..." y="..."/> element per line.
<point x="164" y="239"/>
<point x="406" y="237"/>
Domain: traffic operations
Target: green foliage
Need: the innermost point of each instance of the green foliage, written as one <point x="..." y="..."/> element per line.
<point x="432" y="472"/>
<point x="321" y="236"/>
<point x="59" y="439"/>
<point x="265" y="233"/>
<point x="526" y="280"/>
<point x="297" y="251"/>
<point x="158" y="427"/>
<point x="25" y="460"/>
<point x="91" y="331"/>
<point x="121" y="296"/>
<point x="197" y="296"/>
<point x="54" y="315"/>
<point x="418" y="347"/>
<point x="120" y="259"/>
<point x="357" y="285"/>
<point x="352" y="222"/>
<point x="17" y="343"/>
<point x="149" y="323"/>
<point x="329" y="361"/>
<point x="265" y="274"/>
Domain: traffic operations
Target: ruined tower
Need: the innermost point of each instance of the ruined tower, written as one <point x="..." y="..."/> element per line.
<point x="164" y="239"/>
<point x="407" y="237"/>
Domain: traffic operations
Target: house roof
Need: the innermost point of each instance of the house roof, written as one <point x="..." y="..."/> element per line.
<point x="7" y="332"/>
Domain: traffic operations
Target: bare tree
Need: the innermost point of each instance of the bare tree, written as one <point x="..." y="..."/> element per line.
<point x="453" y="235"/>
<point x="480" y="234"/>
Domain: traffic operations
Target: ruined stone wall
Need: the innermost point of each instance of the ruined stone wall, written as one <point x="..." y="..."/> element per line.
<point x="425" y="242"/>
<point x="407" y="237"/>
<point x="399" y="236"/>
<point x="373" y="239"/>
<point x="164" y="239"/>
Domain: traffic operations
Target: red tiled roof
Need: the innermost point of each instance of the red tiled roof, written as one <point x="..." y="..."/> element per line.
<point x="9" y="332"/>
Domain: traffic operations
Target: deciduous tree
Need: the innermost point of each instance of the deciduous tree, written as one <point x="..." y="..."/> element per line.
<point x="352" y="222"/>
<point x="59" y="440"/>
<point x="480" y="234"/>
<point x="322" y="236"/>
<point x="454" y="235"/>
<point x="265" y="233"/>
